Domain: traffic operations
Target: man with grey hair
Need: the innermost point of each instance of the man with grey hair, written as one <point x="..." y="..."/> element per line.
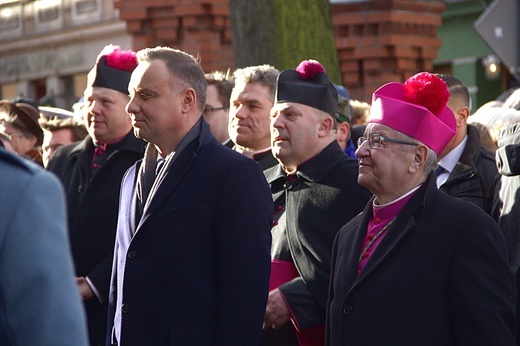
<point x="191" y="262"/>
<point x="422" y="266"/>
<point x="251" y="102"/>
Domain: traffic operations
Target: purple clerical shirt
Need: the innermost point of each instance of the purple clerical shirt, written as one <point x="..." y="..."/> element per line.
<point x="381" y="216"/>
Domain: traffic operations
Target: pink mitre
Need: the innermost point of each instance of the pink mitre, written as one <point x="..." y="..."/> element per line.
<point x="417" y="108"/>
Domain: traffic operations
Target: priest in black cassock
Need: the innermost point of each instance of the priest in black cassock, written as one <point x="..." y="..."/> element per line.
<point x="315" y="192"/>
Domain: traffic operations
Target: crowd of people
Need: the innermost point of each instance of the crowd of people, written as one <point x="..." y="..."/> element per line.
<point x="257" y="207"/>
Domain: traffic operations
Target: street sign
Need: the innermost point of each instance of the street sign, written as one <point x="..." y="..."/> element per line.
<point x="499" y="27"/>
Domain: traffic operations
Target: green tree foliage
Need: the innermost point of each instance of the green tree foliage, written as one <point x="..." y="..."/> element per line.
<point x="282" y="33"/>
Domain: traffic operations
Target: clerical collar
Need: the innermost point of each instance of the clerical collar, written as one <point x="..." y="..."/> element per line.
<point x="106" y="144"/>
<point x="251" y="154"/>
<point x="379" y="206"/>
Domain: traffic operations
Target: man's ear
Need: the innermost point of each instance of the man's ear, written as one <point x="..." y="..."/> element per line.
<point x="419" y="159"/>
<point x="343" y="132"/>
<point x="189" y="99"/>
<point x="326" y="126"/>
<point x="462" y="116"/>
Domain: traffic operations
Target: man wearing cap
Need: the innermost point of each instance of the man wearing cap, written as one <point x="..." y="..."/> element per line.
<point x="19" y="122"/>
<point x="250" y="105"/>
<point x="343" y="119"/>
<point x="315" y="192"/>
<point x="91" y="171"/>
<point x="59" y="128"/>
<point x="417" y="267"/>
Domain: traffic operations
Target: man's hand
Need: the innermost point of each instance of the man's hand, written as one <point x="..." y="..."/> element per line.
<point x="276" y="312"/>
<point x="84" y="288"/>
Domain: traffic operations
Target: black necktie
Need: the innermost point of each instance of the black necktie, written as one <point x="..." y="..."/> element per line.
<point x="439" y="171"/>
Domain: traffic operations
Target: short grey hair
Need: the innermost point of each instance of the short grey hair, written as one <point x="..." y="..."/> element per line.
<point x="182" y="66"/>
<point x="265" y="74"/>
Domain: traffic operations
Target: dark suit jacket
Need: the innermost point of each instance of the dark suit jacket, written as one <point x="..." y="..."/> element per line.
<point x="92" y="214"/>
<point x="439" y="277"/>
<point x="475" y="177"/>
<point x="197" y="270"/>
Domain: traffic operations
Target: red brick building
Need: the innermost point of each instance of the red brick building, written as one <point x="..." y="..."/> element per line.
<point x="378" y="41"/>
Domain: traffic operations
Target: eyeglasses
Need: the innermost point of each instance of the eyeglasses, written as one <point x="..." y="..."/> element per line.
<point x="209" y="110"/>
<point x="375" y="139"/>
<point x="13" y="135"/>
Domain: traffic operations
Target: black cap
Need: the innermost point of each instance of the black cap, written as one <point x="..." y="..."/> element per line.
<point x="113" y="69"/>
<point x="309" y="85"/>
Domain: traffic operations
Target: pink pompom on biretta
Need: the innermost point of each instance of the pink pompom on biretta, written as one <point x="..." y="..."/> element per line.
<point x="427" y="90"/>
<point x="124" y="60"/>
<point x="309" y="68"/>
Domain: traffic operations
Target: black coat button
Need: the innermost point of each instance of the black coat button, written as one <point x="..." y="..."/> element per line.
<point x="347" y="310"/>
<point x="125" y="308"/>
<point x="80" y="188"/>
<point x="132" y="254"/>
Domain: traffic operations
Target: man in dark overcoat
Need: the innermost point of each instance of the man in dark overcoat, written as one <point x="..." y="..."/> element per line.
<point x="191" y="263"/>
<point x="417" y="267"/>
<point x="315" y="192"/>
<point x="467" y="170"/>
<point x="91" y="171"/>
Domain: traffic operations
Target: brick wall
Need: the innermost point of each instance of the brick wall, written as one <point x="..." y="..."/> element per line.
<point x="199" y="27"/>
<point x="385" y="40"/>
<point x="378" y="41"/>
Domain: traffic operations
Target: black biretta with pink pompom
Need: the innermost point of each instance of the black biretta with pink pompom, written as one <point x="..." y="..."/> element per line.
<point x="113" y="69"/>
<point x="309" y="85"/>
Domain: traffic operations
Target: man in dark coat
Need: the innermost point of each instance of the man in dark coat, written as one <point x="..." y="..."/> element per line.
<point x="417" y="267"/>
<point x="191" y="263"/>
<point x="466" y="169"/>
<point x="315" y="192"/>
<point x="91" y="172"/>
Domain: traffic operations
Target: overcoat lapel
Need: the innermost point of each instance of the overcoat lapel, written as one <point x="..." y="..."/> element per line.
<point x="170" y="181"/>
<point x="355" y="239"/>
<point x="177" y="170"/>
<point x="397" y="233"/>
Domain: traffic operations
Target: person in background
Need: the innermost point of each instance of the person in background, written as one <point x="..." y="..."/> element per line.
<point x="191" y="263"/>
<point x="59" y="128"/>
<point x="5" y="142"/>
<point x="19" y="121"/>
<point x="91" y="171"/>
<point x="421" y="266"/>
<point x="251" y="102"/>
<point x="343" y="120"/>
<point x="466" y="169"/>
<point x="39" y="300"/>
<point x="507" y="204"/>
<point x="216" y="112"/>
<point x="315" y="192"/>
<point x="360" y="112"/>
